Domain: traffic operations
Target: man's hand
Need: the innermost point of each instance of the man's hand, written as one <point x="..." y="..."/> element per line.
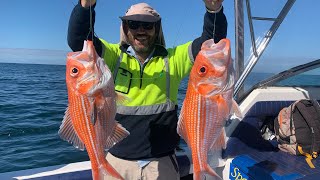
<point x="87" y="3"/>
<point x="213" y="5"/>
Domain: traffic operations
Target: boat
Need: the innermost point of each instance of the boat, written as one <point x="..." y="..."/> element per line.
<point x="250" y="153"/>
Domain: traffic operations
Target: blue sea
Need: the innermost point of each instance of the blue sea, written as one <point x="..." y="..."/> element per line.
<point x="33" y="99"/>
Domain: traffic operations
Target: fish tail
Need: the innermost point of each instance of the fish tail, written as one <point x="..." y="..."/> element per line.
<point x="210" y="171"/>
<point x="106" y="169"/>
<point x="198" y="176"/>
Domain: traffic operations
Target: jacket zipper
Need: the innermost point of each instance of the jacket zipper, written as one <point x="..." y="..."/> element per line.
<point x="142" y="69"/>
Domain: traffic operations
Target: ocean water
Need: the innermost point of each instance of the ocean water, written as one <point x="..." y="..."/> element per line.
<point x="33" y="99"/>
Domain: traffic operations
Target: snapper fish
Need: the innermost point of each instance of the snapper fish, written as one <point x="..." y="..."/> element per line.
<point x="89" y="121"/>
<point x="208" y="104"/>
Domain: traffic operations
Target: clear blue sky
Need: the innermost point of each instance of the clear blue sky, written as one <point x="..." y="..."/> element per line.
<point x="42" y="24"/>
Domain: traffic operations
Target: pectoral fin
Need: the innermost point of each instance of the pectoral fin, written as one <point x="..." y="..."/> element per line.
<point x="122" y="99"/>
<point x="68" y="133"/>
<point x="181" y="126"/>
<point x="220" y="143"/>
<point x="118" y="134"/>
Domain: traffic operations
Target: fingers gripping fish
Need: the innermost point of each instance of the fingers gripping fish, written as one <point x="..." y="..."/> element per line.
<point x="208" y="104"/>
<point x="89" y="120"/>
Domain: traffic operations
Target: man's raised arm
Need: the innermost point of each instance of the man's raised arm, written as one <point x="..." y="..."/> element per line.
<point x="79" y="26"/>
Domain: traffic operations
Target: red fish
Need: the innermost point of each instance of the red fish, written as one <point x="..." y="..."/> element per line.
<point x="89" y="120"/>
<point x="208" y="104"/>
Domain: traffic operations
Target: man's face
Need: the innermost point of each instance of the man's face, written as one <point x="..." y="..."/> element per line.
<point x="141" y="36"/>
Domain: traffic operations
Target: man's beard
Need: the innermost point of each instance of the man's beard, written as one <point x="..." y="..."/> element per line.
<point x="147" y="48"/>
<point x="144" y="49"/>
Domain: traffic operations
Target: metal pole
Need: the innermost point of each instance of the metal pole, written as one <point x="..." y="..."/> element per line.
<point x="239" y="38"/>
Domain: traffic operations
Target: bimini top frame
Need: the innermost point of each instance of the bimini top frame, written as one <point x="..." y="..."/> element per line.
<point x="257" y="50"/>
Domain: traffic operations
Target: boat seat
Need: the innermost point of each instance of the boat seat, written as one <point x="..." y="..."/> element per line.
<point x="267" y="108"/>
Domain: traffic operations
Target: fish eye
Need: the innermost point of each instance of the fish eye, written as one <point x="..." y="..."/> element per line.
<point x="74" y="71"/>
<point x="202" y="70"/>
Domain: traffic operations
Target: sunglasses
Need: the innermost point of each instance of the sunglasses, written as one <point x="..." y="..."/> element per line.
<point x="134" y="25"/>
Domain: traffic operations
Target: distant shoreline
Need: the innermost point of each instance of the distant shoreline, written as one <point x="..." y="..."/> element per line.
<point x="24" y="63"/>
<point x="33" y="56"/>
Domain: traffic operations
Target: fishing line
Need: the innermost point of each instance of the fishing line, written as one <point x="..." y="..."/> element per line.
<point x="91" y="24"/>
<point x="214" y="26"/>
<point x="91" y="30"/>
<point x="214" y="22"/>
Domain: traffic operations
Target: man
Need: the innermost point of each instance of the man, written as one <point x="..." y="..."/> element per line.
<point x="149" y="74"/>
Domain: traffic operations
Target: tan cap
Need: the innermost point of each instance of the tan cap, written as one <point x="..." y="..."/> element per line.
<point x="141" y="12"/>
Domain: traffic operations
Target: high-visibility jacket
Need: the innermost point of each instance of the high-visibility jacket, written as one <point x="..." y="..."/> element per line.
<point x="150" y="113"/>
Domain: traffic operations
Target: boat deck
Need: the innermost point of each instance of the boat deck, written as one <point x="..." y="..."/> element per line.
<point x="257" y="158"/>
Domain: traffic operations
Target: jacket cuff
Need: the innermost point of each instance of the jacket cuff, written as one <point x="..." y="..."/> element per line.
<point x="216" y="11"/>
<point x="79" y="4"/>
<point x="217" y="15"/>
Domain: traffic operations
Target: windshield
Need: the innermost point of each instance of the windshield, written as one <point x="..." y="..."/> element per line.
<point x="305" y="75"/>
<point x="309" y="78"/>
